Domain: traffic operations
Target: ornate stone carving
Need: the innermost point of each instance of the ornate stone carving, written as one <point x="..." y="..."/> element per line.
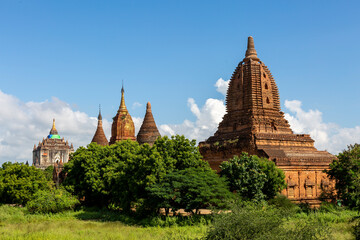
<point x="51" y="149"/>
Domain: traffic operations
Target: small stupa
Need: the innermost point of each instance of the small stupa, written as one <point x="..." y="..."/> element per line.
<point x="148" y="132"/>
<point x="99" y="136"/>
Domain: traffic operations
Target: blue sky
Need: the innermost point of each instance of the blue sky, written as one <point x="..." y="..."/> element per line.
<point x="169" y="51"/>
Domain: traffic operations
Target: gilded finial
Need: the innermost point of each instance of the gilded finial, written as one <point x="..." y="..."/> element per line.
<point x="122" y="103"/>
<point x="250" y="51"/>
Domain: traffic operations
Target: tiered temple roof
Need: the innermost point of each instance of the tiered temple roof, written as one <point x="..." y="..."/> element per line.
<point x="51" y="150"/>
<point x="123" y="126"/>
<point x="255" y="124"/>
<point x="99" y="136"/>
<point x="148" y="131"/>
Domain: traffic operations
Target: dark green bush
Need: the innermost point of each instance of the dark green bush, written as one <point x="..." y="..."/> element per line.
<point x="51" y="201"/>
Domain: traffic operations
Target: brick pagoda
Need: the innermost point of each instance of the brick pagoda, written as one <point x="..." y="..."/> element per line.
<point x="148" y="132"/>
<point x="123" y="126"/>
<point x="99" y="136"/>
<point x="255" y="124"/>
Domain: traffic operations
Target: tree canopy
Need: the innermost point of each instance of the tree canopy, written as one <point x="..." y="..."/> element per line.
<point x="19" y="182"/>
<point x="345" y="170"/>
<point x="253" y="178"/>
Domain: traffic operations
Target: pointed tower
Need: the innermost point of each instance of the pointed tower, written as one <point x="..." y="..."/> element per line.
<point x="123" y="126"/>
<point x="148" y="131"/>
<point x="99" y="136"/>
<point x="255" y="124"/>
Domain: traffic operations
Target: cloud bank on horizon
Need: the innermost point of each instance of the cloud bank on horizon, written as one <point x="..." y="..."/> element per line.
<point x="23" y="124"/>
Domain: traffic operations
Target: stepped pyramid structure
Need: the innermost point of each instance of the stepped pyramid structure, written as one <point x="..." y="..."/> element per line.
<point x="123" y="126"/>
<point x="51" y="150"/>
<point x="255" y="124"/>
<point x="148" y="132"/>
<point x="99" y="136"/>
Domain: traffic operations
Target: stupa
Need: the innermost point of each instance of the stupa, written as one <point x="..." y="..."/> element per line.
<point x="123" y="126"/>
<point x="99" y="136"/>
<point x="148" y="132"/>
<point x="51" y="150"/>
<point x="254" y="123"/>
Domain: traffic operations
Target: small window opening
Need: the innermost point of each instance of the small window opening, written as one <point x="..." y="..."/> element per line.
<point x="264" y="75"/>
<point x="266" y="86"/>
<point x="267" y="100"/>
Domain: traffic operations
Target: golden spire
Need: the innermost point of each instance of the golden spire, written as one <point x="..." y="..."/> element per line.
<point x="122" y="103"/>
<point x="250" y="51"/>
<point x="53" y="130"/>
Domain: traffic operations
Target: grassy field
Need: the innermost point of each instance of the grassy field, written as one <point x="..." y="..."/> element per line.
<point x="16" y="223"/>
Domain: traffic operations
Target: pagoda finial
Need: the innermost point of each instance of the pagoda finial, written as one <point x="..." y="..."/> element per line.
<point x="53" y="130"/>
<point x="250" y="51"/>
<point x="99" y="116"/>
<point x="122" y="103"/>
<point x="148" y="107"/>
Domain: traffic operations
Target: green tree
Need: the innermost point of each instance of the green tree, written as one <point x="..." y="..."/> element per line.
<point x="179" y="153"/>
<point x="253" y="178"/>
<point x="274" y="180"/>
<point x="19" y="182"/>
<point x="345" y="170"/>
<point x="189" y="189"/>
<point x="52" y="201"/>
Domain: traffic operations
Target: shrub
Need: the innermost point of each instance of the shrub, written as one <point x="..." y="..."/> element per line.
<point x="249" y="221"/>
<point x="51" y="201"/>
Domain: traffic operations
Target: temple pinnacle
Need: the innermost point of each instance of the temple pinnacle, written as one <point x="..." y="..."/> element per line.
<point x="148" y="107"/>
<point x="122" y="103"/>
<point x="53" y="130"/>
<point x="99" y="116"/>
<point x="250" y="51"/>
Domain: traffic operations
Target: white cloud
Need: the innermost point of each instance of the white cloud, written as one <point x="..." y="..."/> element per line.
<point x="23" y="124"/>
<point x="136" y="105"/>
<point x="207" y="120"/>
<point x="327" y="136"/>
<point x="222" y="86"/>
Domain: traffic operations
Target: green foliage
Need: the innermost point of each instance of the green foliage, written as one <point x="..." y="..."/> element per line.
<point x="49" y="173"/>
<point x="19" y="182"/>
<point x="357" y="229"/>
<point x="346" y="172"/>
<point x="250" y="221"/>
<point x="189" y="189"/>
<point x="118" y="175"/>
<point x="253" y="178"/>
<point x="179" y="153"/>
<point x="274" y="180"/>
<point x="51" y="201"/>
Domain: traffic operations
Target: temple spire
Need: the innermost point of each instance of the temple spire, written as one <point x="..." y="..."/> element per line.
<point x="53" y="130"/>
<point x="122" y="103"/>
<point x="148" y="132"/>
<point x="250" y="51"/>
<point x="99" y="116"/>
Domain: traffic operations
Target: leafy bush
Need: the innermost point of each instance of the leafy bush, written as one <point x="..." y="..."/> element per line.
<point x="251" y="221"/>
<point x="51" y="201"/>
<point x="19" y="182"/>
<point x="253" y="178"/>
